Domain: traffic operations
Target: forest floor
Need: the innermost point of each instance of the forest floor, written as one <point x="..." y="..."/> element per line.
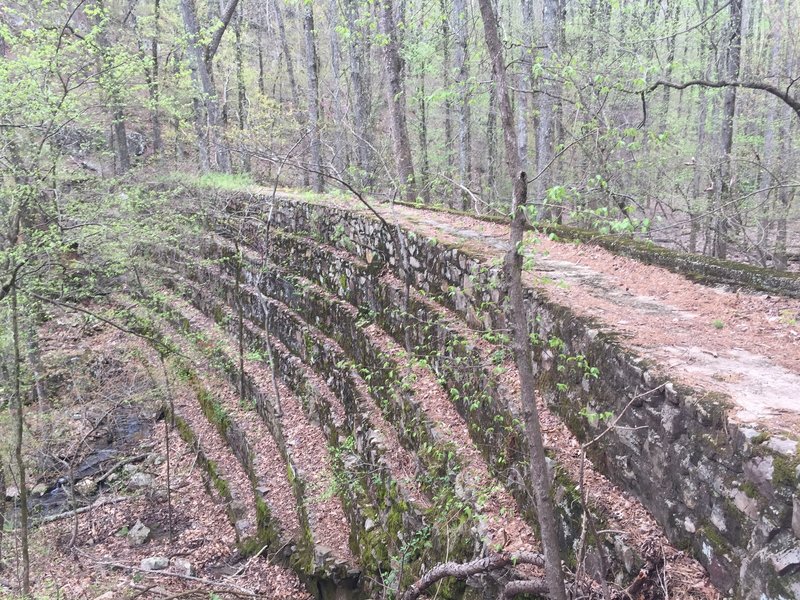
<point x="98" y="372"/>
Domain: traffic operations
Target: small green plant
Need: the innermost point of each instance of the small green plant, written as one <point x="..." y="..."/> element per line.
<point x="596" y="417"/>
<point x="718" y="323"/>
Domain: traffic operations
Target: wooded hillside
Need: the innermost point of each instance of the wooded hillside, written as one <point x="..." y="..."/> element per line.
<point x="395" y="299"/>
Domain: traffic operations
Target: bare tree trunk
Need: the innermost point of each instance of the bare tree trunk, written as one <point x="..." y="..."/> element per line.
<point x="525" y="80"/>
<point x="152" y="81"/>
<point x="446" y="82"/>
<point x="113" y="90"/>
<point x="462" y="83"/>
<point x="122" y="156"/>
<point x="545" y="139"/>
<point x="2" y="511"/>
<point x="768" y="170"/>
<point x="313" y="98"/>
<point x="672" y="19"/>
<point x="19" y="460"/>
<point x="521" y="344"/>
<point x="697" y="176"/>
<point x="491" y="144"/>
<point x="339" y="148"/>
<point x="723" y="192"/>
<point x="788" y="159"/>
<point x="423" y="137"/>
<point x="203" y="80"/>
<point x="396" y="99"/>
<point x="36" y="370"/>
<point x="262" y="88"/>
<point x="360" y="90"/>
<point x="286" y="54"/>
<point x="241" y="88"/>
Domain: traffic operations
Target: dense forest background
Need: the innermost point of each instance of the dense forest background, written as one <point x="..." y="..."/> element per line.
<point x="676" y="120"/>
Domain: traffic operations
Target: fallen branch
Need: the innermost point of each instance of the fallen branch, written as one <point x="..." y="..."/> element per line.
<point x="118" y="464"/>
<point x="524" y="586"/>
<point x="208" y="582"/>
<point x="467" y="570"/>
<point x="83" y="509"/>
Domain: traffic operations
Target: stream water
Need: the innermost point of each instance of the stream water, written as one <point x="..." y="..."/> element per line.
<point x="127" y="427"/>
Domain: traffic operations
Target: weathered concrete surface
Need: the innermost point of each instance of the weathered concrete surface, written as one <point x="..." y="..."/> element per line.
<point x="705" y="269"/>
<point x="716" y="486"/>
<point x="761" y="389"/>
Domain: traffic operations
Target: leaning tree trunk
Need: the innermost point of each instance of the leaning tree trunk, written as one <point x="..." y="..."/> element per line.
<point x="723" y="188"/>
<point x="313" y="98"/>
<point x="522" y="354"/>
<point x="397" y="102"/>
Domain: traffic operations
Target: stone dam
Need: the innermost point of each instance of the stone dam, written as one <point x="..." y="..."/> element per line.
<point x="387" y="438"/>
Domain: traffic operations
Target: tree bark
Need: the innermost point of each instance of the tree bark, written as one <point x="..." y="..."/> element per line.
<point x="723" y="188"/>
<point x="464" y="571"/>
<point x="202" y="77"/>
<point x="113" y="90"/>
<point x="123" y="157"/>
<point x="491" y="145"/>
<point x="241" y="88"/>
<point x="521" y="344"/>
<point x="462" y="84"/>
<point x="313" y="98"/>
<point x="525" y="80"/>
<point x="423" y="136"/>
<point x="444" y="47"/>
<point x="19" y="460"/>
<point x="339" y="160"/>
<point x="546" y="134"/>
<point x="769" y="168"/>
<point x="360" y="90"/>
<point x="396" y="100"/>
<point x="2" y="504"/>
<point x="286" y="54"/>
<point x="151" y="78"/>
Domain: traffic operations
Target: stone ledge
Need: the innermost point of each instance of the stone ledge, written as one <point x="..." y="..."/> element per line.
<point x="690" y="463"/>
<point x="698" y="267"/>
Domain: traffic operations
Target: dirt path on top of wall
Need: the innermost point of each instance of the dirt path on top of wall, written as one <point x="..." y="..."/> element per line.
<point x="746" y="345"/>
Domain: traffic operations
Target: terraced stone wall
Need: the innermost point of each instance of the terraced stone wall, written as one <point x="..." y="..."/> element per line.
<point x="720" y="490"/>
<point x="705" y="269"/>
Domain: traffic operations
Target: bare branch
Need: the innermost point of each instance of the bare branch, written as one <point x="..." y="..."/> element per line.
<point x="475" y="567"/>
<point x="225" y="17"/>
<point x="524" y="586"/>
<point x="784" y="95"/>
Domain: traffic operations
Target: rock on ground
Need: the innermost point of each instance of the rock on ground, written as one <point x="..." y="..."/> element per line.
<point x="138" y="534"/>
<point x="140" y="481"/>
<point x="155" y="563"/>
